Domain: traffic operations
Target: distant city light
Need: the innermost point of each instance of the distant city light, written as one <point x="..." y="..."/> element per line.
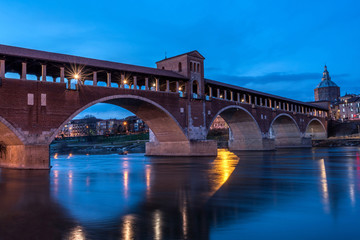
<point x="76" y="76"/>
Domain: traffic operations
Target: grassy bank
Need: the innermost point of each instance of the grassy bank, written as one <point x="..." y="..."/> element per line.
<point x="100" y="144"/>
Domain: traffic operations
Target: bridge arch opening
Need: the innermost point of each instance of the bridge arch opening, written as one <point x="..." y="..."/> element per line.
<point x="315" y="130"/>
<point x="164" y="128"/>
<point x="11" y="143"/>
<point x="244" y="131"/>
<point x="285" y="131"/>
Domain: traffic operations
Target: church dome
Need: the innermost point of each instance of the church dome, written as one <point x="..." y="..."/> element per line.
<point x="326" y="83"/>
<point x="326" y="80"/>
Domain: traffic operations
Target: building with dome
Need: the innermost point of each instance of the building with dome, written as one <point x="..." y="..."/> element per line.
<point x="326" y="90"/>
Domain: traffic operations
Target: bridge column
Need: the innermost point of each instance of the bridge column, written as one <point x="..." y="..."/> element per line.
<point x="108" y="79"/>
<point x="210" y="92"/>
<point x="157" y="84"/>
<point x="94" y="78"/>
<point x="218" y="93"/>
<point x="238" y="97"/>
<point x="135" y="82"/>
<point x="177" y="87"/>
<point x="2" y="68"/>
<point x="231" y="96"/>
<point x="250" y="100"/>
<point x="255" y="101"/>
<point x="23" y="71"/>
<point x="62" y="74"/>
<point x="270" y="103"/>
<point x="244" y="98"/>
<point x="167" y="86"/>
<point x="43" y="72"/>
<point x="26" y="157"/>
<point x="146" y="83"/>
<point x="266" y="102"/>
<point x="122" y="81"/>
<point x="225" y="94"/>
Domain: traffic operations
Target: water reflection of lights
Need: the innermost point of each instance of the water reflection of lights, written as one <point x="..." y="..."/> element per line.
<point x="126" y="178"/>
<point x="148" y="178"/>
<point x="88" y="181"/>
<point x="157" y="224"/>
<point x="56" y="156"/>
<point x="324" y="185"/>
<point x="70" y="176"/>
<point x="77" y="234"/>
<point x="56" y="181"/>
<point x="351" y="185"/>
<point x="184" y="218"/>
<point x="358" y="169"/>
<point x="69" y="156"/>
<point x="128" y="227"/>
<point x="223" y="166"/>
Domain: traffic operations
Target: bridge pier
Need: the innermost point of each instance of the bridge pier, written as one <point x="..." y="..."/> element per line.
<point x="254" y="144"/>
<point x="184" y="148"/>
<point x="293" y="142"/>
<point x="25" y="157"/>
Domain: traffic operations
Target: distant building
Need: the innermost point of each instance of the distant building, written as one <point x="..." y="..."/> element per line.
<point x="219" y="123"/>
<point x="326" y="90"/>
<point x="80" y="127"/>
<point x="349" y="108"/>
<point x="91" y="126"/>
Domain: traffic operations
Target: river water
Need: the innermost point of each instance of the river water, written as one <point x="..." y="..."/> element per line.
<point x="284" y="194"/>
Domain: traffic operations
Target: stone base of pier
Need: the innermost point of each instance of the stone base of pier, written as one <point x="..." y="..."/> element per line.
<point x="25" y="157"/>
<point x="185" y="148"/>
<point x="252" y="144"/>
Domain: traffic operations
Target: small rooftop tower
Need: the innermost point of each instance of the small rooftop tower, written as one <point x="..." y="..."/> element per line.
<point x="326" y="90"/>
<point x="190" y="65"/>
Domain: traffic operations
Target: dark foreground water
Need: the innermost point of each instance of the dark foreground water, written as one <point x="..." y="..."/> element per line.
<point x="285" y="194"/>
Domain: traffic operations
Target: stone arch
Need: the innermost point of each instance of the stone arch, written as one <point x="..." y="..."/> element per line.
<point x="285" y="131"/>
<point x="163" y="125"/>
<point x="315" y="129"/>
<point x="11" y="143"/>
<point x="9" y="135"/>
<point x="245" y="133"/>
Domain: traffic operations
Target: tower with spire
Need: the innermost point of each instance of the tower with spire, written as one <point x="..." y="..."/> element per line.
<point x="326" y="90"/>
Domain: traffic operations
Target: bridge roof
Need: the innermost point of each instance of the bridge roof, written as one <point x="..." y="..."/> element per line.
<point x="191" y="53"/>
<point x="225" y="85"/>
<point x="6" y="50"/>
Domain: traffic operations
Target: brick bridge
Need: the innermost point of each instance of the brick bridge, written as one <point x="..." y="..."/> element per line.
<point x="40" y="92"/>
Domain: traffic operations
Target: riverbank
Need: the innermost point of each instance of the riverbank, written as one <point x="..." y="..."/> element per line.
<point x="134" y="143"/>
<point x="337" y="142"/>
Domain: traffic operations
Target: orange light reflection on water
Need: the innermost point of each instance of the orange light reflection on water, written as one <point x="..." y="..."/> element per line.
<point x="223" y="167"/>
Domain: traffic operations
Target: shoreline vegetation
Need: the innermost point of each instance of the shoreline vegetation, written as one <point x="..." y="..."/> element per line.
<point x="133" y="143"/>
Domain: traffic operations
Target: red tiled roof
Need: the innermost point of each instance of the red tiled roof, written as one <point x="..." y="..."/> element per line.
<point x="63" y="58"/>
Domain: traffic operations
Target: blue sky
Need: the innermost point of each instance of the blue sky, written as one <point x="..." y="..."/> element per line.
<point x="278" y="46"/>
